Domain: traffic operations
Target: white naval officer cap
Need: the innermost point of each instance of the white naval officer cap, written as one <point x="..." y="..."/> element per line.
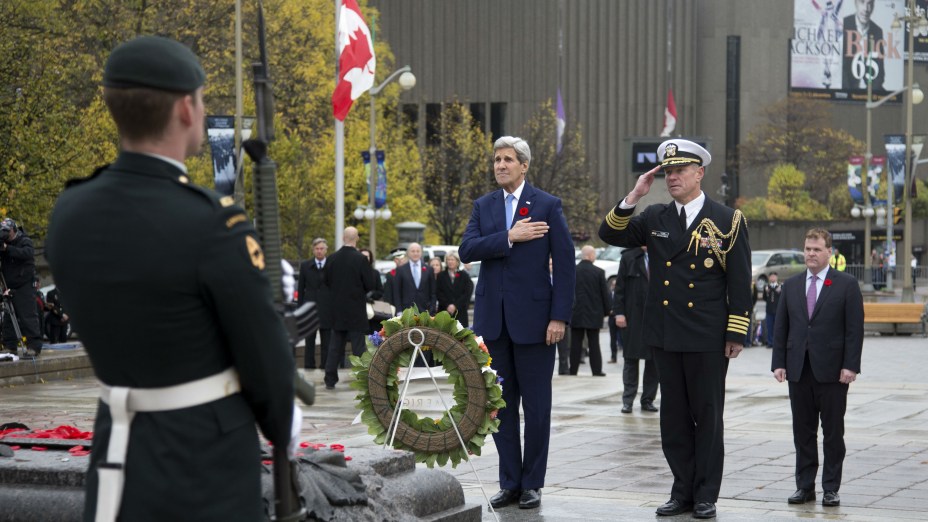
<point x="677" y="152"/>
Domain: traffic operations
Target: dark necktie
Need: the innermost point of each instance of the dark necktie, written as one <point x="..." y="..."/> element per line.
<point x="683" y="218"/>
<point x="319" y="264"/>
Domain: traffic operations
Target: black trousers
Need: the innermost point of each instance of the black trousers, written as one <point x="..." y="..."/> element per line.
<point x="309" y="353"/>
<point x="809" y="400"/>
<point x="337" y="351"/>
<point x="692" y="434"/>
<point x="615" y="340"/>
<point x="57" y="332"/>
<point x="23" y="302"/>
<point x="576" y="349"/>
<point x="563" y="354"/>
<point x="630" y="380"/>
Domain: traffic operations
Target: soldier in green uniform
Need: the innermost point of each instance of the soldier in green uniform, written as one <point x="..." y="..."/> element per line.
<point x="696" y="315"/>
<point x="165" y="282"/>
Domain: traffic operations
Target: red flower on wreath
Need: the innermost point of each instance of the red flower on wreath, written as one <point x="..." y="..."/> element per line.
<point x="828" y="282"/>
<point x="523" y="211"/>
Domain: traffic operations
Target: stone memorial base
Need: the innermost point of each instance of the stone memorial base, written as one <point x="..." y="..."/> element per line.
<point x="48" y="486"/>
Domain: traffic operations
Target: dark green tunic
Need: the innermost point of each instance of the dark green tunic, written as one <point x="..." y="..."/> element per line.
<point x="164" y="282"/>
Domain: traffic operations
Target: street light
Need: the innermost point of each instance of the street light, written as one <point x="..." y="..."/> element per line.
<point x="407" y="80"/>
<point x="915" y="95"/>
<point x="915" y="17"/>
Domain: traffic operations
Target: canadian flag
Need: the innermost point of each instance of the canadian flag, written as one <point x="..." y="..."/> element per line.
<point x="356" y="60"/>
<point x="670" y="115"/>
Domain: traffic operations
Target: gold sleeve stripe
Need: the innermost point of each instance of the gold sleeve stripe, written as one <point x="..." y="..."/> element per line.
<point x="738" y="320"/>
<point x="738" y="330"/>
<point x="616" y="222"/>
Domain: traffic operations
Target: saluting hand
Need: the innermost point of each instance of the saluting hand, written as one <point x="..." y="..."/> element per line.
<point x="642" y="186"/>
<point x="523" y="230"/>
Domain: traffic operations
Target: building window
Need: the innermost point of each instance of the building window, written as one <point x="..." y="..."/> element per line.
<point x="478" y="111"/>
<point x="497" y="120"/>
<point x="410" y="120"/>
<point x="432" y="123"/>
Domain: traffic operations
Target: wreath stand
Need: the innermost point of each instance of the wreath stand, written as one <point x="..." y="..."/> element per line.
<point x="395" y="419"/>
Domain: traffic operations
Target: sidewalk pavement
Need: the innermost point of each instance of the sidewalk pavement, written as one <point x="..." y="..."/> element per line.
<point x="604" y="465"/>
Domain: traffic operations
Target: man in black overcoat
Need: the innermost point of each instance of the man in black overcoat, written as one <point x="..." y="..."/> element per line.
<point x="17" y="264"/>
<point x="631" y="293"/>
<point x="697" y="314"/>
<point x="349" y="278"/>
<point x="311" y="289"/>
<point x="591" y="305"/>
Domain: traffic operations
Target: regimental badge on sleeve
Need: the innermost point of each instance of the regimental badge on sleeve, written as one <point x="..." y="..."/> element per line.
<point x="255" y="252"/>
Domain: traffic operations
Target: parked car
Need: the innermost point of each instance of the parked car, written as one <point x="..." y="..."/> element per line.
<point x="608" y="259"/>
<point x="473" y="270"/>
<point x="785" y="263"/>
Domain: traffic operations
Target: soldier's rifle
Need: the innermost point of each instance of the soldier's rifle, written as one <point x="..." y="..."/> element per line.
<point x="299" y="321"/>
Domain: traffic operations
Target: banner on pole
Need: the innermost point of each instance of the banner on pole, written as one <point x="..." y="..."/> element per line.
<point x="380" y="187"/>
<point x="855" y="181"/>
<point x="895" y="163"/>
<point x="221" y="133"/>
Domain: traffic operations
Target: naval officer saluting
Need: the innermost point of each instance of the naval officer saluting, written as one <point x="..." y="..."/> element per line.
<point x="696" y="315"/>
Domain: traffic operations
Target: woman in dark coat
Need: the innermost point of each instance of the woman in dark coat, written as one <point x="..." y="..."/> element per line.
<point x="454" y="289"/>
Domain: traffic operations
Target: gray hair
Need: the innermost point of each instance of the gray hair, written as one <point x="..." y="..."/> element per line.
<point x="523" y="153"/>
<point x="319" y="240"/>
<point x="454" y="254"/>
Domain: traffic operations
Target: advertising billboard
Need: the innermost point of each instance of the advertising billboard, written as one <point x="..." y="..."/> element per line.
<point x="838" y="45"/>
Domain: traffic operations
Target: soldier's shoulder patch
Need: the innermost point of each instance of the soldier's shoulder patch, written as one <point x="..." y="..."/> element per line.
<point x="77" y="181"/>
<point x="255" y="252"/>
<point x="227" y="201"/>
<point x="236" y="219"/>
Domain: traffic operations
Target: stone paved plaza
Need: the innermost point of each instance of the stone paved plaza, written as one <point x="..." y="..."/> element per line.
<point x="608" y="466"/>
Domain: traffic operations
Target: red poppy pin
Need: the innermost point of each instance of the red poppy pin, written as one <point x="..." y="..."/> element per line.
<point x="393" y="272"/>
<point x="828" y="282"/>
<point x="424" y="268"/>
<point x="523" y="211"/>
<point x="457" y="274"/>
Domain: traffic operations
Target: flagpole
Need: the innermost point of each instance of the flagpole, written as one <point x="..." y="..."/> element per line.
<point x="238" y="189"/>
<point x="339" y="155"/>
<point x="669" y="59"/>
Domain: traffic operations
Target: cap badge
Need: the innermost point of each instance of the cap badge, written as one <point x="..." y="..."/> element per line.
<point x="670" y="150"/>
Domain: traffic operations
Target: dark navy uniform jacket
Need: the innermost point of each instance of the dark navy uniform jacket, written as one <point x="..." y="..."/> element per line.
<point x="702" y="292"/>
<point x="164" y="281"/>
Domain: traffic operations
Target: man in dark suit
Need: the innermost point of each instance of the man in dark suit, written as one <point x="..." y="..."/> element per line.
<point x="591" y="304"/>
<point x="399" y="259"/>
<point x="209" y="320"/>
<point x="521" y="310"/>
<point x="349" y="278"/>
<point x="414" y="283"/>
<point x="696" y="317"/>
<point x="631" y="294"/>
<point x="860" y="35"/>
<point x="817" y="344"/>
<point x="311" y="289"/>
<point x="773" y="290"/>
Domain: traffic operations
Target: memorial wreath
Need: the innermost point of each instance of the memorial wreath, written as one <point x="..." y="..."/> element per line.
<point x="465" y="359"/>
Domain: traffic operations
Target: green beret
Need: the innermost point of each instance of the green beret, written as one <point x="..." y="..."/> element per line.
<point x="154" y="62"/>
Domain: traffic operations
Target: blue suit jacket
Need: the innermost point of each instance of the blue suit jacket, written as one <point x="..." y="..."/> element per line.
<point x="517" y="279"/>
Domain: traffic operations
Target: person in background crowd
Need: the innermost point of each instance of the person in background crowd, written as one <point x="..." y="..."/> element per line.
<point x="414" y="283"/>
<point x="631" y="294"/>
<point x="591" y="305"/>
<point x="202" y="315"/>
<point x="435" y="263"/>
<point x="311" y="289"/>
<point x="837" y="260"/>
<point x="399" y="259"/>
<point x="817" y="348"/>
<point x="17" y="264"/>
<point x="615" y="340"/>
<point x="56" y="319"/>
<point x="697" y="315"/>
<point x="772" y="292"/>
<point x="563" y="346"/>
<point x="454" y="289"/>
<point x="521" y="310"/>
<point x="377" y="293"/>
<point x="349" y="278"/>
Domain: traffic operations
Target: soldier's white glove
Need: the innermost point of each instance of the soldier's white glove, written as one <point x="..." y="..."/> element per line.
<point x="296" y="426"/>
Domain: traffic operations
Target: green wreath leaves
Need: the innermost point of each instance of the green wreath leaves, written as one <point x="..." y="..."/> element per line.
<point x="477" y="393"/>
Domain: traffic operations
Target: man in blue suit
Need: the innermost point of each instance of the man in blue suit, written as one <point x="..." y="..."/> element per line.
<point x="521" y="310"/>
